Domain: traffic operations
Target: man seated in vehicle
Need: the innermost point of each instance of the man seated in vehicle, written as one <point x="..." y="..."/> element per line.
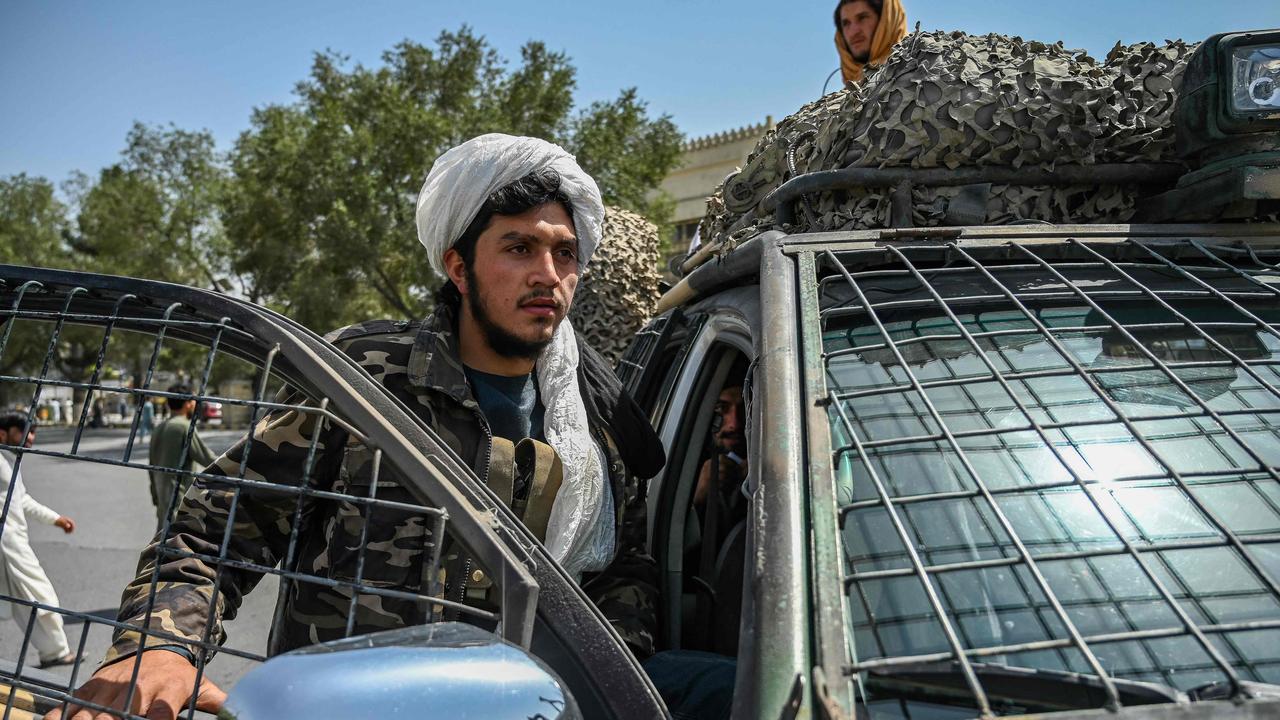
<point x="699" y="679"/>
<point x="726" y="471"/>
<point x="511" y="223"/>
<point x="717" y="497"/>
<point x="866" y="31"/>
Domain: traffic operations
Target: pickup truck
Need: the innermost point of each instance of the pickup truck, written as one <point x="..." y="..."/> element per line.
<point x="989" y="470"/>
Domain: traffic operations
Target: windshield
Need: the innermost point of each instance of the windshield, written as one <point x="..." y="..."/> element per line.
<point x="1080" y="475"/>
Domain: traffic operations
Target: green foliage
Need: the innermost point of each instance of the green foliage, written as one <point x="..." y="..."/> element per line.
<point x="152" y="215"/>
<point x="312" y="210"/>
<point x="628" y="153"/>
<point x="32" y="223"/>
<point x="32" y="227"/>
<point x="155" y="214"/>
<point x="322" y="204"/>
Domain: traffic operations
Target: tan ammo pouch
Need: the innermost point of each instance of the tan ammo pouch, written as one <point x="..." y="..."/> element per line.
<point x="529" y="462"/>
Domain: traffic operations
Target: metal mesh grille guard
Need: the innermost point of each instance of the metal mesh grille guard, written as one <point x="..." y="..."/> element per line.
<point x="1070" y="464"/>
<point x="323" y="385"/>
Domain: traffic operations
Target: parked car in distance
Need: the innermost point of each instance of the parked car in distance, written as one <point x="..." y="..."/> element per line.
<point x="211" y="414"/>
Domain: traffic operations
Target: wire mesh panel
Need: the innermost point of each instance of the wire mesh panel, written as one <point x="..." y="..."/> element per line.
<point x="634" y="368"/>
<point x="1059" y="481"/>
<point x="290" y="474"/>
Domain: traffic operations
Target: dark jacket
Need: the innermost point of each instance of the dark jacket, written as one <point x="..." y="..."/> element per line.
<point x="418" y="363"/>
<point x="167" y="445"/>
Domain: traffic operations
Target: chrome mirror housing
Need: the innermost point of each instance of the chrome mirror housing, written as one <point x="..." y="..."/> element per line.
<point x="447" y="670"/>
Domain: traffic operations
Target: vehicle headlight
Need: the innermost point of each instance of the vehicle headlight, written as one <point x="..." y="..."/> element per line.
<point x="1255" y="79"/>
<point x="1229" y="102"/>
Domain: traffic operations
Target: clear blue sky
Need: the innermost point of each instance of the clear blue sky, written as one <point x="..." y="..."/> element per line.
<point x="75" y="75"/>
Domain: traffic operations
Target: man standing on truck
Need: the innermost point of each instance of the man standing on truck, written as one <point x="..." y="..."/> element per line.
<point x="497" y="371"/>
<point x="866" y="31"/>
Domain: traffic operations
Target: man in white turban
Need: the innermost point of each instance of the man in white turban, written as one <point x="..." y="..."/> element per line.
<point x="499" y="374"/>
<point x="511" y="222"/>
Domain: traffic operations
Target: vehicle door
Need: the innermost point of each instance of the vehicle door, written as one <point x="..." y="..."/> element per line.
<point x="680" y="370"/>
<point x="404" y="501"/>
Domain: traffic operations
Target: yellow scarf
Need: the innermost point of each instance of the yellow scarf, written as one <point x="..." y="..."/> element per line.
<point x="892" y="28"/>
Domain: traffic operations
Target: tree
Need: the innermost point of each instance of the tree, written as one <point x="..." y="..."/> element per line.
<point x="320" y="213"/>
<point x="262" y="208"/>
<point x="32" y="223"/>
<point x="628" y="153"/>
<point x="155" y="214"/>
<point x="312" y="212"/>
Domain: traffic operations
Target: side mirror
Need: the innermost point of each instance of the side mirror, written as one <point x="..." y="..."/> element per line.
<point x="446" y="670"/>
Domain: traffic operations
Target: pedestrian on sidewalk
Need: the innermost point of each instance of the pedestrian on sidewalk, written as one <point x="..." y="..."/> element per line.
<point x="167" y="452"/>
<point x="147" y="421"/>
<point x="21" y="575"/>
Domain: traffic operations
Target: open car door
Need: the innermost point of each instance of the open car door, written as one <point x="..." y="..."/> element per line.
<point x="105" y="322"/>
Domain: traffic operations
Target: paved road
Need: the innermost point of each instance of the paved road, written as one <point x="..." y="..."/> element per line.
<point x="114" y="520"/>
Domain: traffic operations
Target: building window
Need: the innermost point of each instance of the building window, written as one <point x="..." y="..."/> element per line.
<point x="683" y="234"/>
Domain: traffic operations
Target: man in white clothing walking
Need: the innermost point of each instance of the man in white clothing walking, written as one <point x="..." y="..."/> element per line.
<point x="21" y="575"/>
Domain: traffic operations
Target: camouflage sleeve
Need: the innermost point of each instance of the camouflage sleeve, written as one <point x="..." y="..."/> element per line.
<point x="627" y="591"/>
<point x="184" y="599"/>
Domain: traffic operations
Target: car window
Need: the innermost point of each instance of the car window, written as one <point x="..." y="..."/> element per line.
<point x="651" y="364"/>
<point x="700" y="360"/>
<point x="647" y="360"/>
<point x="702" y="495"/>
<point x="1063" y="468"/>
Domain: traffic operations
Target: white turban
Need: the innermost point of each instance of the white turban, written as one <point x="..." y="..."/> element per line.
<point x="464" y="177"/>
<point x="580" y="531"/>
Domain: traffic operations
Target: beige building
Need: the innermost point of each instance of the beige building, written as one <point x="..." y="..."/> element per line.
<point x="703" y="165"/>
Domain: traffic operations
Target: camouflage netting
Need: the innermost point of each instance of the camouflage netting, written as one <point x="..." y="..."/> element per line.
<point x="946" y="100"/>
<point x="617" y="293"/>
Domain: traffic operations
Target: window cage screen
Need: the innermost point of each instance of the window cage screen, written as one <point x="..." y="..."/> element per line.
<point x="635" y="362"/>
<point x="1057" y="456"/>
<point x="101" y="352"/>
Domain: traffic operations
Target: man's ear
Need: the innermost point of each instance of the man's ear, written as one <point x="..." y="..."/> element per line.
<point x="456" y="268"/>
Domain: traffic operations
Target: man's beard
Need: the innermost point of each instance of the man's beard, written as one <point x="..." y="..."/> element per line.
<point x="498" y="338"/>
<point x="731" y="443"/>
<point x="861" y="59"/>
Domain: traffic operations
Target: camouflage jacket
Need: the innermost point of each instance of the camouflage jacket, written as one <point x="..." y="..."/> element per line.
<point x="418" y="363"/>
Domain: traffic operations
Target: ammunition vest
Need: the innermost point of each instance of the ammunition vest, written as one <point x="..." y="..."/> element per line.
<point x="535" y="469"/>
